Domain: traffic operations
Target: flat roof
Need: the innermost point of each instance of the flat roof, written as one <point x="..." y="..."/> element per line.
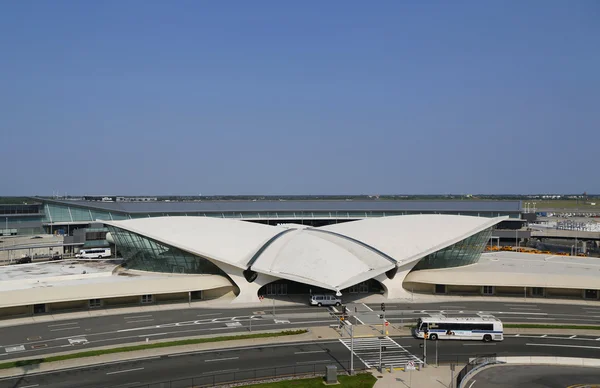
<point x="53" y="270"/>
<point x="297" y="205"/>
<point x="70" y="280"/>
<point x="516" y="269"/>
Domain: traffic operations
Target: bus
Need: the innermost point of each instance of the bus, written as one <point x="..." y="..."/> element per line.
<point x="475" y="328"/>
<point x="96" y="253"/>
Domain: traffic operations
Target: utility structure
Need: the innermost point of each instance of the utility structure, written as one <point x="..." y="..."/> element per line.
<point x="348" y="328"/>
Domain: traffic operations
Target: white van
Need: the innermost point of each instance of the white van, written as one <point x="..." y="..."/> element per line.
<point x="96" y="253"/>
<point x="324" y="300"/>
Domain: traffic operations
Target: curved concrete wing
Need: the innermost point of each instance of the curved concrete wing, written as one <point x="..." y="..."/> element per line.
<point x="409" y="238"/>
<point x="321" y="259"/>
<point x="228" y="241"/>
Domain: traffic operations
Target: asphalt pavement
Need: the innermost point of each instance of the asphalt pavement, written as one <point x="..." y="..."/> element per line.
<point x="30" y="340"/>
<point x="200" y="367"/>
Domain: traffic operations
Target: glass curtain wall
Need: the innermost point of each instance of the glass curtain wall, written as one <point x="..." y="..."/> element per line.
<point x="464" y="252"/>
<point x="142" y="253"/>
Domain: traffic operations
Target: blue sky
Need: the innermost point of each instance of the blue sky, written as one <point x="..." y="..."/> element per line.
<point x="279" y="97"/>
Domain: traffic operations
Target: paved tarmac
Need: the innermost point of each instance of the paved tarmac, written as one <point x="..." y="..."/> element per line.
<point x="535" y="376"/>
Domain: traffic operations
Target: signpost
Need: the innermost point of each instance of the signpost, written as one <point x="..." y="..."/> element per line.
<point x="410" y="366"/>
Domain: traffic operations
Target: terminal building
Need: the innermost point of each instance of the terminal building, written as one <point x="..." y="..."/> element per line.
<point x="240" y="250"/>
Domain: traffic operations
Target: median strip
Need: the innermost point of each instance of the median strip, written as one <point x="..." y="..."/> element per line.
<point x="92" y="353"/>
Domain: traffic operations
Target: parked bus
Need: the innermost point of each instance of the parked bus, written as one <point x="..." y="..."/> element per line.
<point x="96" y="253"/>
<point x="475" y="328"/>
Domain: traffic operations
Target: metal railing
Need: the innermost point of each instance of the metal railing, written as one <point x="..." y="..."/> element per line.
<point x="251" y="375"/>
<point x="474" y="363"/>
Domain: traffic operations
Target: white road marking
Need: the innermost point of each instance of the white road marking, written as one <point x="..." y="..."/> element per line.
<point x="63" y="324"/>
<point x="573" y="336"/>
<point x="370" y="309"/>
<point x="30" y="386"/>
<point x="18" y="348"/>
<point x="520" y="305"/>
<point x="566" y="346"/>
<point x="152" y="335"/>
<point x="311" y="351"/>
<point x="141" y="320"/>
<point x="358" y="319"/>
<point x="208" y="315"/>
<point x="548" y="319"/>
<point x="471" y="385"/>
<point x="126" y="384"/>
<point x="66" y="328"/>
<point x="220" y="371"/>
<point x="137" y="316"/>
<point x="124" y="371"/>
<point x="523" y="308"/>
<point x="544" y="336"/>
<point x="221" y="359"/>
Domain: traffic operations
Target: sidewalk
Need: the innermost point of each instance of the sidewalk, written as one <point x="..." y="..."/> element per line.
<point x="430" y="377"/>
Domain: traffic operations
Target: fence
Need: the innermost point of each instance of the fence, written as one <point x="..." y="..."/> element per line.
<point x="249" y="375"/>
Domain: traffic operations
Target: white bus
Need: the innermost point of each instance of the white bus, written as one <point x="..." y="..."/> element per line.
<point x="476" y="328"/>
<point x="96" y="253"/>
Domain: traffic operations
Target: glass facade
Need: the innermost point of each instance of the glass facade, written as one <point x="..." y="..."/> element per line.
<point x="464" y="252"/>
<point x="145" y="254"/>
<point x="56" y="213"/>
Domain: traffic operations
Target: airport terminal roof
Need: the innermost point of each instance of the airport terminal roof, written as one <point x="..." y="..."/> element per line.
<point x="61" y="281"/>
<point x="515" y="269"/>
<point x="300" y="205"/>
<point x="332" y="257"/>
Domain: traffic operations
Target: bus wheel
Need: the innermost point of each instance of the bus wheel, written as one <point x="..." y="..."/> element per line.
<point x="99" y="257"/>
<point x="433" y="337"/>
<point x="487" y="338"/>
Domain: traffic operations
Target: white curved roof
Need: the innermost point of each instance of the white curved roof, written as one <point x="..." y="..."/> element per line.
<point x="229" y="241"/>
<point x="322" y="259"/>
<point x="333" y="257"/>
<point x="411" y="237"/>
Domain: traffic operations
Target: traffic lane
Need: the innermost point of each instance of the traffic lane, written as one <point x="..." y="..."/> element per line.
<point x="513" y="306"/>
<point x="396" y="315"/>
<point x="285" y="357"/>
<point x="534" y="376"/>
<point x="42" y="347"/>
<point x="102" y="324"/>
<point x="451" y="350"/>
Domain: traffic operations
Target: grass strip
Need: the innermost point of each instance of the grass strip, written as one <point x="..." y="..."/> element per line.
<point x="362" y="380"/>
<point x="542" y="326"/>
<point x="193" y="341"/>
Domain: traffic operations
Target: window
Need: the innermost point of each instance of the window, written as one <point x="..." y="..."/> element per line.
<point x="95" y="303"/>
<point x="537" y="291"/>
<point x="590" y="294"/>
<point x="440" y="288"/>
<point x="488" y="290"/>
<point x="147" y="298"/>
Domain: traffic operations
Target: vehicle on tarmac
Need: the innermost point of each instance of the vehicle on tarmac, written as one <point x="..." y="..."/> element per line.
<point x="324" y="300"/>
<point x="24" y="260"/>
<point x="485" y="329"/>
<point x="96" y="253"/>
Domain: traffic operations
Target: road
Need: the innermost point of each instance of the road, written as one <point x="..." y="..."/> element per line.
<point x="45" y="338"/>
<point x="291" y="358"/>
<point x="535" y="376"/>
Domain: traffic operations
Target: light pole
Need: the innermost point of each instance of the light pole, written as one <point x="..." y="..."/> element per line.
<point x="380" y="366"/>
<point x="352" y="350"/>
